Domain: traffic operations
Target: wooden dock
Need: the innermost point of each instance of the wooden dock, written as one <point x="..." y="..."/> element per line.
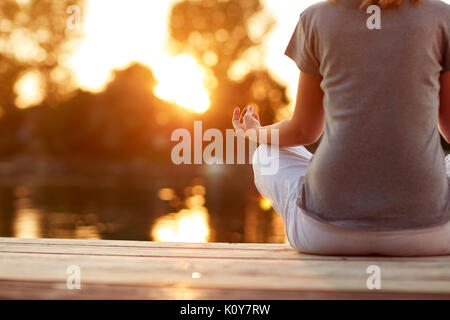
<point x="37" y="269"/>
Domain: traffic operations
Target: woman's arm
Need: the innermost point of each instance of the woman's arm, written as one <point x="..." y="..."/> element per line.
<point x="444" y="108"/>
<point x="306" y="124"/>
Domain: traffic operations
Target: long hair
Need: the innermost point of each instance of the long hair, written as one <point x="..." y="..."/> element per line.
<point x="383" y="3"/>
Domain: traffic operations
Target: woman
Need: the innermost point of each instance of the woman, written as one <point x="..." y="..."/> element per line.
<point x="378" y="182"/>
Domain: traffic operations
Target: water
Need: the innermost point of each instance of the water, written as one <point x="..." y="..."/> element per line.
<point x="206" y="204"/>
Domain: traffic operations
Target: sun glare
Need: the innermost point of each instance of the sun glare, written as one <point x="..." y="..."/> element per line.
<point x="140" y="36"/>
<point x="180" y="80"/>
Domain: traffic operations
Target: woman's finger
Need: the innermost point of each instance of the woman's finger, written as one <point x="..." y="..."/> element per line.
<point x="252" y="112"/>
<point x="244" y="112"/>
<point x="236" y="124"/>
<point x="236" y="118"/>
<point x="249" y="116"/>
<point x="236" y="114"/>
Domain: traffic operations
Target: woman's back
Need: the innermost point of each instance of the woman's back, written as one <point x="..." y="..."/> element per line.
<point x="379" y="164"/>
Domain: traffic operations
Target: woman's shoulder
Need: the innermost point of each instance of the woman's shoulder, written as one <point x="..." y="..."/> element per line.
<point x="438" y="10"/>
<point x="317" y="7"/>
<point x="315" y="10"/>
<point x="436" y="5"/>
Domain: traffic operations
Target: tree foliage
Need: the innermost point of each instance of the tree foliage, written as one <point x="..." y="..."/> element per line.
<point x="226" y="35"/>
<point x="34" y="37"/>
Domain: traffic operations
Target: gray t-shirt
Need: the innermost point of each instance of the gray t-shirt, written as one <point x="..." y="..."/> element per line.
<point x="380" y="165"/>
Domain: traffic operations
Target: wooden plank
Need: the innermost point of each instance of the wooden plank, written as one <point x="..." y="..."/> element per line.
<point x="130" y="269"/>
<point x="232" y="274"/>
<point x="53" y="290"/>
<point x="145" y="244"/>
<point x="199" y="250"/>
<point x="155" y="250"/>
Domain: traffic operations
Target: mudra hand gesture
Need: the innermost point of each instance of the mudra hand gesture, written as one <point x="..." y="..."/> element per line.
<point x="249" y="119"/>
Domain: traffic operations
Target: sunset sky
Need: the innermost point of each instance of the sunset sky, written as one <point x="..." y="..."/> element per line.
<point x="119" y="32"/>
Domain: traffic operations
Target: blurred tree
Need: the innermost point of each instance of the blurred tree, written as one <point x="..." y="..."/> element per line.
<point x="218" y="32"/>
<point x="226" y="38"/>
<point x="34" y="36"/>
<point x="123" y="122"/>
<point x="34" y="39"/>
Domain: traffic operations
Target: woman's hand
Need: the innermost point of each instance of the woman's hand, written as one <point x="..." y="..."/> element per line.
<point x="249" y="119"/>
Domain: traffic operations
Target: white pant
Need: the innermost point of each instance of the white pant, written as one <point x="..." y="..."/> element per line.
<point x="309" y="235"/>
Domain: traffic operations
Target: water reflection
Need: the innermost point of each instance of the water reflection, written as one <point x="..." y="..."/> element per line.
<point x="176" y="207"/>
<point x="188" y="225"/>
<point x="184" y="226"/>
<point x="87" y="232"/>
<point x="27" y="223"/>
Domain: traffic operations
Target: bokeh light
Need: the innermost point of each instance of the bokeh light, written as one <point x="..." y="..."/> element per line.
<point x="184" y="226"/>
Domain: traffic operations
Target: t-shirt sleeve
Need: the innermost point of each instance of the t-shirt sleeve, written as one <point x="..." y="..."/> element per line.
<point x="300" y="49"/>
